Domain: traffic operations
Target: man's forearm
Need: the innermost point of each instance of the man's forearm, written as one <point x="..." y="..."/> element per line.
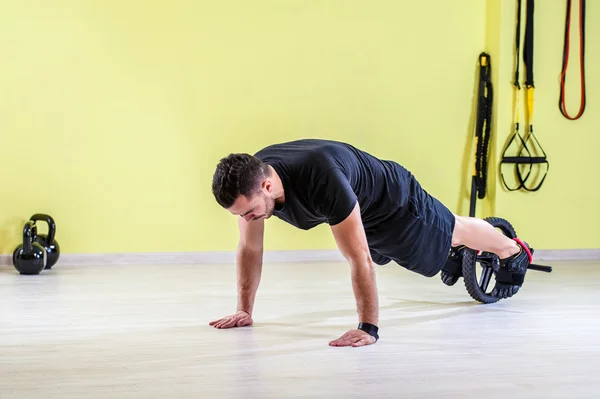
<point x="249" y="267"/>
<point x="364" y="284"/>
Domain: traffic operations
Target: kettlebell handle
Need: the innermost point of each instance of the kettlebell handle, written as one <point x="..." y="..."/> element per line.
<point x="51" y="225"/>
<point x="29" y="230"/>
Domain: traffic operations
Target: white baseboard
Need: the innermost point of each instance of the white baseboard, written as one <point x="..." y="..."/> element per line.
<point x="566" y="254"/>
<point x="178" y="258"/>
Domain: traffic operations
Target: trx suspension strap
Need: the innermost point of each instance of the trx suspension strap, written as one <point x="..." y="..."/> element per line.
<point x="565" y="62"/>
<point x="482" y="130"/>
<point x="517" y="104"/>
<point x="529" y="88"/>
<point x="525" y="156"/>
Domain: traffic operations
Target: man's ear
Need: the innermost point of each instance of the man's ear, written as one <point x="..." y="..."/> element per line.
<point x="267" y="185"/>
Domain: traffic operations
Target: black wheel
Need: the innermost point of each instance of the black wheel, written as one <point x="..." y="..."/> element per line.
<point x="479" y="287"/>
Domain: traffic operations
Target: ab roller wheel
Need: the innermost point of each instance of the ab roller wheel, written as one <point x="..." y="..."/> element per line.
<point x="487" y="264"/>
<point x="480" y="270"/>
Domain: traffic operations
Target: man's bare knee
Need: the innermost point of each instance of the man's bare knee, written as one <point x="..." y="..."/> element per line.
<point x="458" y="232"/>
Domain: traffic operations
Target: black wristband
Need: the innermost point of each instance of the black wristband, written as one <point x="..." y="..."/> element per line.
<point x="370" y="329"/>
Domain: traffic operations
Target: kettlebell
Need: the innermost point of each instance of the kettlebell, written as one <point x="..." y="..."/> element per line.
<point x="47" y="241"/>
<point x="30" y="257"/>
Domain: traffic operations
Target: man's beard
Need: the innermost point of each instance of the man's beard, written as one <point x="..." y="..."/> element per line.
<point x="269" y="206"/>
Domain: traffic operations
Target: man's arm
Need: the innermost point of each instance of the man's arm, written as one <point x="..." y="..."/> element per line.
<point x="249" y="262"/>
<point x="249" y="267"/>
<point x="352" y="242"/>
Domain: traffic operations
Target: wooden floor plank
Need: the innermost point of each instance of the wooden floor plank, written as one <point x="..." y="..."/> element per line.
<point x="142" y="332"/>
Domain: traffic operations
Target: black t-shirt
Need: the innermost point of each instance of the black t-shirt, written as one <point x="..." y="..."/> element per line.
<point x="324" y="179"/>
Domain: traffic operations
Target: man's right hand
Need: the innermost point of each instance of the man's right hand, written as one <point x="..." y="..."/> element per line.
<point x="239" y="319"/>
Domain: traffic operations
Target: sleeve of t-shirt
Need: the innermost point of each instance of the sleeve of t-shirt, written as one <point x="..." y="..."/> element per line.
<point x="334" y="197"/>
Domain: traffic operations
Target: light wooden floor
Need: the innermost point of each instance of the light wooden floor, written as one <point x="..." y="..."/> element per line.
<point x="142" y="332"/>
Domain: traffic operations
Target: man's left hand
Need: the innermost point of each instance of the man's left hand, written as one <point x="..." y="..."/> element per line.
<point x="354" y="338"/>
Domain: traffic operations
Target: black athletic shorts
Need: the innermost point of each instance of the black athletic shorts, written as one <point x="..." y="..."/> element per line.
<point x="418" y="238"/>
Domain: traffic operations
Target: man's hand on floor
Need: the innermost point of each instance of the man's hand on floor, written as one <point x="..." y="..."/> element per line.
<point x="239" y="319"/>
<point x="354" y="338"/>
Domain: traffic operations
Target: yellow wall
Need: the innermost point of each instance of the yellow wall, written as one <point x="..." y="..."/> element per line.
<point x="114" y="113"/>
<point x="564" y="212"/>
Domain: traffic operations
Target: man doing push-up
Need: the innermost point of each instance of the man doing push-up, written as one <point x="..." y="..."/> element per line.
<point x="376" y="209"/>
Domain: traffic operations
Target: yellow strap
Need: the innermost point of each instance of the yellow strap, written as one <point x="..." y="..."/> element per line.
<point x="530" y="90"/>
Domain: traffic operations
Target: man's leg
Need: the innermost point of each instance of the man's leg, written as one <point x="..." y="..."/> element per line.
<point x="478" y="234"/>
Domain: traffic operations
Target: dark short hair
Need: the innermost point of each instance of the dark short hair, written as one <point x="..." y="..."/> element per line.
<point x="237" y="174"/>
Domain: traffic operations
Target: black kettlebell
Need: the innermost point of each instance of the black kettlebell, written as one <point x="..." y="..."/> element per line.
<point x="29" y="257"/>
<point x="47" y="241"/>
